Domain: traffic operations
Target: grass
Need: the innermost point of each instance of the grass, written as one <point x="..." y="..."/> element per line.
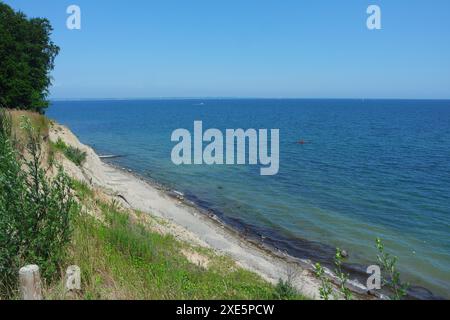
<point x="73" y="154"/>
<point x="39" y="122"/>
<point x="121" y="258"/>
<point x="82" y="190"/>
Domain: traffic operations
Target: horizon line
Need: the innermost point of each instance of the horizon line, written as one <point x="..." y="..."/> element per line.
<point x="240" y="98"/>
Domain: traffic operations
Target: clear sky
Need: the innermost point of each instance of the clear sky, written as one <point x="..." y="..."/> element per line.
<point x="249" y="48"/>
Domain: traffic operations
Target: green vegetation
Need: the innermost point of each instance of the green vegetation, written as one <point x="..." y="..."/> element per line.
<point x="121" y="258"/>
<point x="35" y="211"/>
<point x="388" y="265"/>
<point x="27" y="56"/>
<point x="284" y="290"/>
<point x="326" y="288"/>
<point x="39" y="122"/>
<point x="73" y="154"/>
<point x="342" y="277"/>
<point x="83" y="191"/>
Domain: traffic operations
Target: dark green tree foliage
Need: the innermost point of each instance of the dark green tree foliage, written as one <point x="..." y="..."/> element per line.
<point x="27" y="56"/>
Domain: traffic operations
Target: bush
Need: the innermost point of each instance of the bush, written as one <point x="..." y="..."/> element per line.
<point x="284" y="290"/>
<point x="326" y="288"/>
<point x="341" y="275"/>
<point x="35" y="211"/>
<point x="73" y="154"/>
<point x="27" y="56"/>
<point x="391" y="280"/>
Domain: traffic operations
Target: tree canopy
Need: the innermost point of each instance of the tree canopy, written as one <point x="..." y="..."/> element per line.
<point x="27" y="55"/>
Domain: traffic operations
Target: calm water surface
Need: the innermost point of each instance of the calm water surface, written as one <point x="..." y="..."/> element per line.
<point x="370" y="169"/>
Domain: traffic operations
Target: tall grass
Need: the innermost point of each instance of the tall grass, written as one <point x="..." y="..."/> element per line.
<point x="39" y="122"/>
<point x="123" y="259"/>
<point x="73" y="154"/>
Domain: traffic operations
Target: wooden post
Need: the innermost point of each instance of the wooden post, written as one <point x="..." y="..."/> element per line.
<point x="30" y="283"/>
<point x="73" y="279"/>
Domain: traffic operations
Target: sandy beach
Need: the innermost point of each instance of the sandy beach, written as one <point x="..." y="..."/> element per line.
<point x="189" y="223"/>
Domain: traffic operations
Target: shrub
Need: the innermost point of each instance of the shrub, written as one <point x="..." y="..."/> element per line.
<point x="73" y="154"/>
<point x="12" y="194"/>
<point x="341" y="275"/>
<point x="35" y="211"/>
<point x="284" y="290"/>
<point x="389" y="266"/>
<point x="326" y="288"/>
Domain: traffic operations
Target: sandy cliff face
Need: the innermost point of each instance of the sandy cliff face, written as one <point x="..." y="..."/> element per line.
<point x="92" y="171"/>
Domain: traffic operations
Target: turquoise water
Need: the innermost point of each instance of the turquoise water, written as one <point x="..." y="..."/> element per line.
<point x="369" y="169"/>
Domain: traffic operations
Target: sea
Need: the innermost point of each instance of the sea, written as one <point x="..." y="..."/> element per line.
<point x="364" y="169"/>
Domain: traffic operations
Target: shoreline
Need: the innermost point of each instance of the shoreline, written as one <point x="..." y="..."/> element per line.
<point x="271" y="263"/>
<point x="201" y="226"/>
<point x="254" y="242"/>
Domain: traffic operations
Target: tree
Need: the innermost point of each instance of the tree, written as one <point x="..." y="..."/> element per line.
<point x="27" y="55"/>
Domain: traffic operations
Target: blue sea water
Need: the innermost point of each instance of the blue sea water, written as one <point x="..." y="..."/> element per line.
<point x="374" y="168"/>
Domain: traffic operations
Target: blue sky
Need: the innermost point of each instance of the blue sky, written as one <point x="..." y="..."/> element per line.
<point x="249" y="48"/>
